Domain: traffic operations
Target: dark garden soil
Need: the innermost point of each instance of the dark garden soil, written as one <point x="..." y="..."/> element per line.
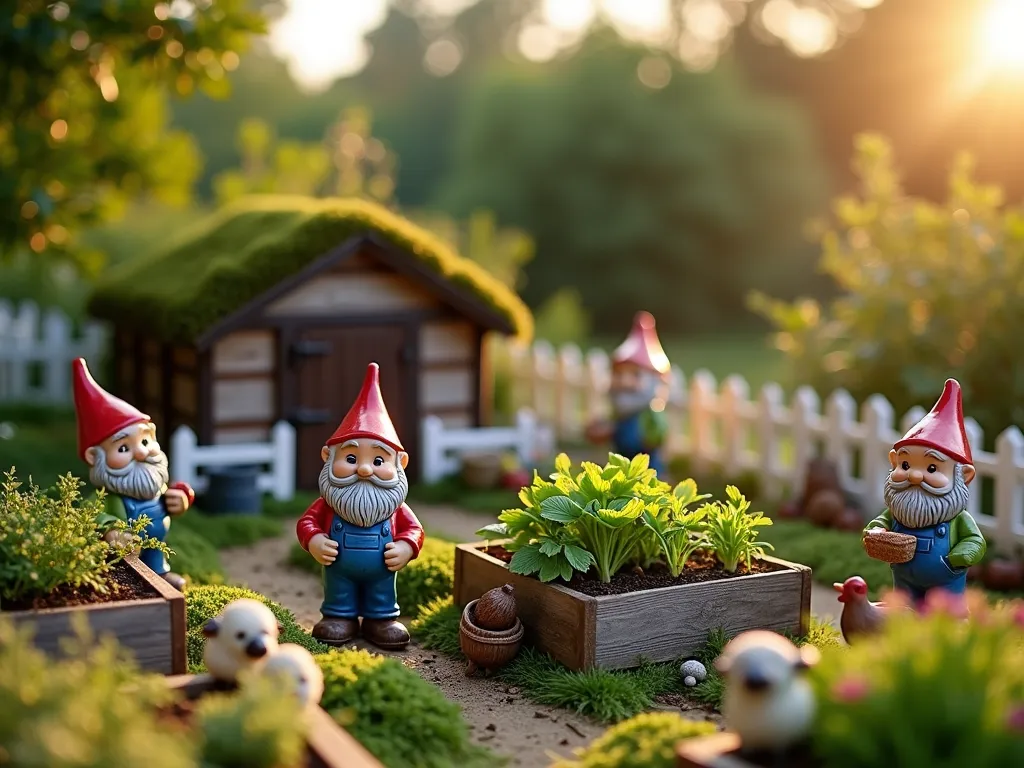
<point x="701" y="567"/>
<point x="122" y="584"/>
<point x="797" y="757"/>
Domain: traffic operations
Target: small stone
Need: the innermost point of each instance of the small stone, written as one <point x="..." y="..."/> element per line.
<point x="513" y="690"/>
<point x="541" y="715"/>
<point x="491" y="727"/>
<point x="689" y="681"/>
<point x="694" y="669"/>
<point x="564" y="742"/>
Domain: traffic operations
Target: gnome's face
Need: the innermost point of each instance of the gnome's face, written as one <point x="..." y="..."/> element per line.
<point x="634" y="388"/>
<point x="129" y="463"/>
<point x="364" y="480"/>
<point x="926" y="487"/>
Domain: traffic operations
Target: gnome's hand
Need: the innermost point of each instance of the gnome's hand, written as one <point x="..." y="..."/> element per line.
<point x="397" y="555"/>
<point x="176" y="501"/>
<point x="118" y="538"/>
<point x="323" y="549"/>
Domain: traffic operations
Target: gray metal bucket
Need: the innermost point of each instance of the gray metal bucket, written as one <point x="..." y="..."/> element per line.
<point x="232" y="490"/>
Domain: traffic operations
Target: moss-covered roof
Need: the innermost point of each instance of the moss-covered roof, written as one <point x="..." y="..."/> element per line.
<point x="232" y="257"/>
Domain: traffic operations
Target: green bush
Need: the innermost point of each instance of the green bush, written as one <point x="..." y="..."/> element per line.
<point x="436" y="627"/>
<point x="929" y="291"/>
<point x="41" y="441"/>
<point x="429" y="577"/>
<point x="74" y="713"/>
<point x="933" y="690"/>
<point x="194" y="556"/>
<point x="225" y="531"/>
<point x="47" y="542"/>
<point x="204" y="602"/>
<point x="256" y="727"/>
<point x="399" y="717"/>
<point x="645" y="741"/>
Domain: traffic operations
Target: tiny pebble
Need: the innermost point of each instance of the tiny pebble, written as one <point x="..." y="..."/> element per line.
<point x="513" y="690"/>
<point x="491" y="727"/>
<point x="694" y="669"/>
<point x="689" y="681"/>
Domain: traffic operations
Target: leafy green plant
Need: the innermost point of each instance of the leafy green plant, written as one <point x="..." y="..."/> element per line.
<point x="677" y="531"/>
<point x="74" y="713"/>
<point x="47" y="542"/>
<point x="256" y="727"/>
<point x="932" y="690"/>
<point x="732" y="530"/>
<point x="645" y="741"/>
<point x="368" y="694"/>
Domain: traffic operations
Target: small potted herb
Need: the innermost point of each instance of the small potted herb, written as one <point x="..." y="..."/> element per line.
<point x="54" y="564"/>
<point x="617" y="553"/>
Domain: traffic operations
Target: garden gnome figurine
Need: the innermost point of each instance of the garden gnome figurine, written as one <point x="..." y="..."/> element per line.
<point x="926" y="493"/>
<point x="361" y="530"/>
<point x="119" y="444"/>
<point x="639" y="392"/>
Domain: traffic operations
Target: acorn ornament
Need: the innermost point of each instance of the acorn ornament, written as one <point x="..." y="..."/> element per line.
<point x="496" y="609"/>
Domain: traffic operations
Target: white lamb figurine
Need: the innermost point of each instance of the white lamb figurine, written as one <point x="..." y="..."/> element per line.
<point x="239" y="638"/>
<point x="297" y="666"/>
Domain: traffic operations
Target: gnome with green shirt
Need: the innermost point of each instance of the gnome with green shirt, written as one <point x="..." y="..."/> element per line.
<point x="926" y="493"/>
<point x="119" y="444"/>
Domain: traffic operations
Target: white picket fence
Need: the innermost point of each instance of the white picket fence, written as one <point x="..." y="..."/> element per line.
<point x="727" y="426"/>
<point x="441" y="447"/>
<point x="32" y="339"/>
<point x="187" y="457"/>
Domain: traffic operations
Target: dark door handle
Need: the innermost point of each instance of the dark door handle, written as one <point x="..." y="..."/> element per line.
<point x="300" y="349"/>
<point x="308" y="416"/>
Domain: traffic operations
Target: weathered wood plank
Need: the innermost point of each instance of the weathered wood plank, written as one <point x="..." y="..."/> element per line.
<point x="447" y="388"/>
<point x="245" y="352"/>
<point x="243" y="400"/>
<point x="674" y="621"/>
<point x="185" y="393"/>
<point x="447" y="342"/>
<point x="335" y="293"/>
<point x="558" y="621"/>
<point x="238" y="435"/>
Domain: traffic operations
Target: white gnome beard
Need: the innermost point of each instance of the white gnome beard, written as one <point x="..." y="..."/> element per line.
<point x="363" y="502"/>
<point x="626" y="402"/>
<point x="142" y="480"/>
<point x="924" y="506"/>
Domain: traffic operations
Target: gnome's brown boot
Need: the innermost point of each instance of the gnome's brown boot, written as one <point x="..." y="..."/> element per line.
<point x="176" y="581"/>
<point x="386" y="633"/>
<point x="333" y="631"/>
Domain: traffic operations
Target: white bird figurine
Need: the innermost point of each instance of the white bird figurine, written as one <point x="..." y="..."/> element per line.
<point x="239" y="638"/>
<point x="768" y="701"/>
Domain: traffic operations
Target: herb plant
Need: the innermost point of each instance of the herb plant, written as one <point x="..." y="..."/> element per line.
<point x="732" y="530"/>
<point x="677" y="531"/>
<point x="47" y="542"/>
<point x="931" y="690"/>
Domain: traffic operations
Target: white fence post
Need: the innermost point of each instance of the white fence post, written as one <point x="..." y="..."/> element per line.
<point x="183" y="447"/>
<point x="840" y="417"/>
<point x="735" y="394"/>
<point x="283" y="439"/>
<point x="701" y="412"/>
<point x="768" y="444"/>
<point x="879" y="436"/>
<point x="806" y="425"/>
<point x="432" y="449"/>
<point x="1009" y="529"/>
<point x="441" y="447"/>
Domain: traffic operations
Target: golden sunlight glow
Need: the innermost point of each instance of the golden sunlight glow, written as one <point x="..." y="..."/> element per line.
<point x="1002" y="34"/>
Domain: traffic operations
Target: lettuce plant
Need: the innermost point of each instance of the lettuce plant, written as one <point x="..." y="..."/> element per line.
<point x="677" y="531"/>
<point x="732" y="530"/>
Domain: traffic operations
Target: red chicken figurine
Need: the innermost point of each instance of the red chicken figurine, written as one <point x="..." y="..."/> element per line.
<point x="860" y="616"/>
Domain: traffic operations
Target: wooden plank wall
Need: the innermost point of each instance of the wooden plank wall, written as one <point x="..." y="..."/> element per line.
<point x="244" y="375"/>
<point x="449" y="382"/>
<point x="181" y="387"/>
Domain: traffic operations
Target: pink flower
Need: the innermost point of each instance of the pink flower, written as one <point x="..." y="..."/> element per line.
<point x="1018" y="615"/>
<point x="1015" y="719"/>
<point x="943" y="602"/>
<point x="851" y="689"/>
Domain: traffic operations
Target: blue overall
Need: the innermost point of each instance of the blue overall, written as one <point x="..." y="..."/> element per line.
<point x="157" y="528"/>
<point x="930" y="568"/>
<point x="628" y="440"/>
<point x="358" y="583"/>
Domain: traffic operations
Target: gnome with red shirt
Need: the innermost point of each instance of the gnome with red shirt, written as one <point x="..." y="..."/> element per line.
<point x="119" y="444"/>
<point x="361" y="529"/>
<point x="927" y="495"/>
<point x="639" y="393"/>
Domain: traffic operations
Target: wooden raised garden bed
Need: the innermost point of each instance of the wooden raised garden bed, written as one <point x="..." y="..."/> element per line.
<point x="613" y="630"/>
<point x="151" y="626"/>
<point x="328" y="745"/>
<point x="721" y="750"/>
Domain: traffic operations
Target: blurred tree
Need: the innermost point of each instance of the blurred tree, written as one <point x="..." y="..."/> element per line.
<point x="644" y="185"/>
<point x="82" y="117"/>
<point x="929" y="291"/>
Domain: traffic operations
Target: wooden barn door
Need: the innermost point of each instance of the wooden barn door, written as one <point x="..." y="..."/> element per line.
<point x="326" y="368"/>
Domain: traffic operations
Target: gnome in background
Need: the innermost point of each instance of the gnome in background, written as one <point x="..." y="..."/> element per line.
<point x="119" y="444"/>
<point x="926" y="494"/>
<point x="639" y="393"/>
<point x="361" y="529"/>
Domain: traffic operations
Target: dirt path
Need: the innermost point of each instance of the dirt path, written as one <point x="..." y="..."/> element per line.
<point x="498" y="716"/>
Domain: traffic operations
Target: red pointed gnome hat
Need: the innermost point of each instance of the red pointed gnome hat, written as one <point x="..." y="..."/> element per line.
<point x="368" y="416"/>
<point x="943" y="427"/>
<point x="98" y="412"/>
<point x="642" y="347"/>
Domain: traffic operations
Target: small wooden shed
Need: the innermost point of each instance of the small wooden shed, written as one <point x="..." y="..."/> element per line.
<point x="272" y="308"/>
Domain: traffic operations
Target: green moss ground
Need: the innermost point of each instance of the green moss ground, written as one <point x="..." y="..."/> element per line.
<point x="647" y="740"/>
<point x="238" y="253"/>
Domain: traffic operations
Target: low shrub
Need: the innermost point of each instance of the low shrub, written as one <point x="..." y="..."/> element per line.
<point x="436" y="626"/>
<point x="403" y="720"/>
<point x="645" y="741"/>
<point x="194" y="556"/>
<point x="932" y="690"/>
<point x="224" y="531"/>
<point x="204" y="602"/>
<point x="52" y="541"/>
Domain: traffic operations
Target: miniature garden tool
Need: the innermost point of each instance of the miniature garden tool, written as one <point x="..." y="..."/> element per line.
<point x="119" y="444"/>
<point x="927" y="534"/>
<point x="360" y="529"/>
<point x="490" y="632"/>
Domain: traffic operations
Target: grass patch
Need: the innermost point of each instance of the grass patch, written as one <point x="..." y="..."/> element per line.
<point x="452" y="490"/>
<point x="194" y="556"/>
<point x="40" y="442"/>
<point x="224" y="531"/>
<point x="290" y="509"/>
<point x="645" y="741"/>
<point x="436" y="627"/>
<point x="832" y="555"/>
